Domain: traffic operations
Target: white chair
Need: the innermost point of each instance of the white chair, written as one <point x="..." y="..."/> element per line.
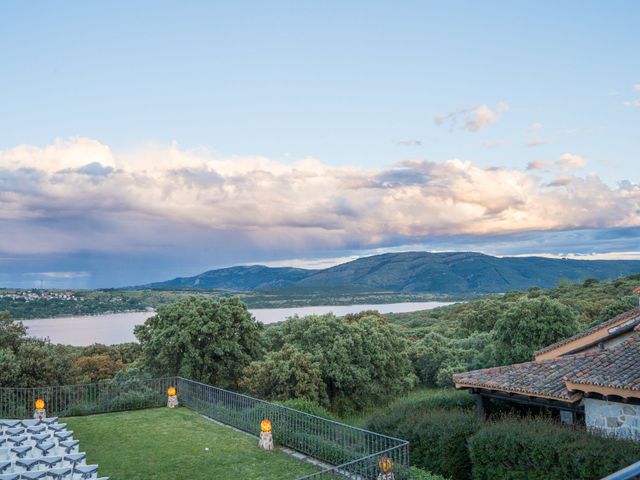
<point x="60" y="473"/>
<point x="69" y="446"/>
<point x="34" y="475"/>
<point x="21" y="452"/>
<point x="74" y="459"/>
<point x="86" y="471"/>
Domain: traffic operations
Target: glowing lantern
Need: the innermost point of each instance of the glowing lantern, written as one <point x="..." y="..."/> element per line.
<point x="172" y="400"/>
<point x="386" y="467"/>
<point x="265" y="425"/>
<point x="39" y="413"/>
<point x="266" y="439"/>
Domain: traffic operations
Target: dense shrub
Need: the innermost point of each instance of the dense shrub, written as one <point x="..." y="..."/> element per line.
<point x="438" y="437"/>
<point x="308" y="406"/>
<point x="420" y="474"/>
<point x="522" y="449"/>
<point x="428" y="399"/>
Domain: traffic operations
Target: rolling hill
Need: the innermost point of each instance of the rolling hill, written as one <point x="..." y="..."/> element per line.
<point x="448" y="272"/>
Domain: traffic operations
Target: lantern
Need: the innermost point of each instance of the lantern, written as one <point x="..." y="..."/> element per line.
<point x="386" y="467"/>
<point x="266" y="438"/>
<point x="172" y="397"/>
<point x="39" y="412"/>
<point x="265" y="425"/>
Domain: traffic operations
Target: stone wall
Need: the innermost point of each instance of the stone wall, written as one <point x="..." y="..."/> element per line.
<point x="613" y="418"/>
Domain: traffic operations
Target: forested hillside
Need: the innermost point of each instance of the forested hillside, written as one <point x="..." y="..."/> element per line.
<point x="411" y="272"/>
<point x="507" y="328"/>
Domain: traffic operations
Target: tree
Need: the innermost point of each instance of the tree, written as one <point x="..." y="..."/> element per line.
<point x="12" y="333"/>
<point x="531" y="324"/>
<point x="286" y="374"/>
<point x="202" y="339"/>
<point x="362" y="361"/>
<point x="94" y="368"/>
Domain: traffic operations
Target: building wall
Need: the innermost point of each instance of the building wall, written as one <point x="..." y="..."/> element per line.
<point x="613" y="418"/>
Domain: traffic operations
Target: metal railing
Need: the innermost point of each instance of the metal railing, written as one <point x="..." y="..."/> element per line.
<point x="87" y="399"/>
<point x="353" y="452"/>
<point x="630" y="473"/>
<point x="348" y="452"/>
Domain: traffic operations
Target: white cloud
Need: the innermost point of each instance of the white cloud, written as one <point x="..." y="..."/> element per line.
<point x="160" y="197"/>
<point x="632" y="103"/>
<point x="471" y="119"/>
<point x="636" y="87"/>
<point x="569" y="161"/>
<point x="538" y="165"/>
<point x="480" y="118"/>
<point x="632" y="255"/>
<point x="535" y="142"/>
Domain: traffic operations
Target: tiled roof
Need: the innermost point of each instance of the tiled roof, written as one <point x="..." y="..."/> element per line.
<point x="626" y="316"/>
<point x="541" y="379"/>
<point x="618" y="367"/>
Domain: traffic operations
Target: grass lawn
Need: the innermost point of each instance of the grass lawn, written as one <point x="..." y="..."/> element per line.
<point x="170" y="444"/>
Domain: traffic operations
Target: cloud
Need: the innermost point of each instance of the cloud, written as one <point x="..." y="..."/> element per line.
<point x="538" y="165"/>
<point x="569" y="161"/>
<point x="561" y="181"/>
<point x="536" y="126"/>
<point x="167" y="199"/>
<point x="471" y="119"/>
<point x="632" y="103"/>
<point x="65" y="275"/>
<point x="535" y="142"/>
<point x="636" y="87"/>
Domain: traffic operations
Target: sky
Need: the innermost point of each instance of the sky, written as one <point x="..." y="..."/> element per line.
<point x="146" y="140"/>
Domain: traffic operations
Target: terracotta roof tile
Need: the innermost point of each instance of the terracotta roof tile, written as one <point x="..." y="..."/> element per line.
<point x="618" y="367"/>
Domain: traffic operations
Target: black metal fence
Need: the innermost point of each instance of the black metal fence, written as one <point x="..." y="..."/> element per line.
<point x="88" y="399"/>
<point x="349" y="452"/>
<point x="353" y="452"/>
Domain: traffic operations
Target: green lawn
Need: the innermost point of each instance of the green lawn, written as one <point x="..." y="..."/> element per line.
<point x="170" y="444"/>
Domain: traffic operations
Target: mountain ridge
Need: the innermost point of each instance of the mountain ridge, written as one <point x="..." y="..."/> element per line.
<point x="410" y="272"/>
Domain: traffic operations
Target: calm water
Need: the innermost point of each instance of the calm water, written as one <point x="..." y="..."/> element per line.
<point x="118" y="327"/>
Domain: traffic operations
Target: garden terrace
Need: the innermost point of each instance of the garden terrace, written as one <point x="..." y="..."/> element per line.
<point x="177" y="443"/>
<point x="351" y="452"/>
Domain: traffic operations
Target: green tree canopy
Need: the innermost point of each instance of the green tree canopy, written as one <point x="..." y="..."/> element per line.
<point x="286" y="374"/>
<point x="207" y="340"/>
<point x="362" y="360"/>
<point x="531" y="324"/>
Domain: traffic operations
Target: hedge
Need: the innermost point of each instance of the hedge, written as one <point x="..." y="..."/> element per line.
<point x="532" y="448"/>
<point x="420" y="474"/>
<point x="438" y="438"/>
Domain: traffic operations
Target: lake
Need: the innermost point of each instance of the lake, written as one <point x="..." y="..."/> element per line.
<point x="118" y="327"/>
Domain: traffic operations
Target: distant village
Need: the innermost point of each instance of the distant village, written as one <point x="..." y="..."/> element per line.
<point x="37" y="295"/>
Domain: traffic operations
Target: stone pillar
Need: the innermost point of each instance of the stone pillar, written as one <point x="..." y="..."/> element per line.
<point x="266" y="441"/>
